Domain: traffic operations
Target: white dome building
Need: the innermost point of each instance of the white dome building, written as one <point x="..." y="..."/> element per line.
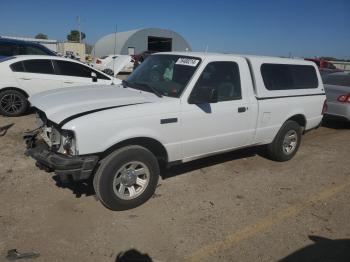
<point x="140" y="40"/>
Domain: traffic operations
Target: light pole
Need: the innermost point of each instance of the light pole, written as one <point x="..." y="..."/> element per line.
<point x="78" y="18"/>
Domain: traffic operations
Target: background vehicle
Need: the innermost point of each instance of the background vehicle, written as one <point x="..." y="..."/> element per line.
<point x="337" y="86"/>
<point x="71" y="55"/>
<point x="11" y="47"/>
<point x="139" y="58"/>
<point x="114" y="64"/>
<point x="176" y="107"/>
<point x="324" y="66"/>
<point x="23" y="76"/>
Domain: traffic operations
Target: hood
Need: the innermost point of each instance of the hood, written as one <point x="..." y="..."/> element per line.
<point x="69" y="103"/>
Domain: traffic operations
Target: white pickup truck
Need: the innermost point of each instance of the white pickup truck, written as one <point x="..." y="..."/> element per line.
<point x="176" y="107"/>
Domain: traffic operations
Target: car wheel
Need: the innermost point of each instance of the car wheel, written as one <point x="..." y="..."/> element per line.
<point x="286" y="143"/>
<point x="13" y="103"/>
<point x="108" y="72"/>
<point x="126" y="178"/>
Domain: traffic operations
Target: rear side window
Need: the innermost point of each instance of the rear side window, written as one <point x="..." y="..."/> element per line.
<point x="287" y="77"/>
<point x="17" y="67"/>
<point x="39" y="66"/>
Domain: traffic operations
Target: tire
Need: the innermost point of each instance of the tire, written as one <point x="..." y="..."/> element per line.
<point x="287" y="138"/>
<point x="108" y="72"/>
<point x="13" y="103"/>
<point x="115" y="183"/>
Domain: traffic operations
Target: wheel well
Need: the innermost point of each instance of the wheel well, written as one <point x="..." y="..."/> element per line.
<point x="151" y="144"/>
<point x="300" y="119"/>
<point x="15" y="88"/>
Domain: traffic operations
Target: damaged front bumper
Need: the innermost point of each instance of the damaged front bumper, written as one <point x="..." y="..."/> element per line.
<point x="68" y="168"/>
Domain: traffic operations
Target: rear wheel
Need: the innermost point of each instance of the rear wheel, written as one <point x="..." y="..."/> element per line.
<point x="286" y="143"/>
<point x="13" y="103"/>
<point x="127" y="178"/>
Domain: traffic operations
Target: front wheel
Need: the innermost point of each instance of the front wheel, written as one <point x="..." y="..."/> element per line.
<point x="286" y="143"/>
<point x="13" y="103"/>
<point x="127" y="178"/>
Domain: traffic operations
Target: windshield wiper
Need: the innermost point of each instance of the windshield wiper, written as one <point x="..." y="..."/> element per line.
<point x="155" y="91"/>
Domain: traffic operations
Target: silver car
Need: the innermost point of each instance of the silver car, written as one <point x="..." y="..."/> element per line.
<point x="337" y="86"/>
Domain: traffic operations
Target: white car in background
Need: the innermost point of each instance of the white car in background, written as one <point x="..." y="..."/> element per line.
<point x="24" y="76"/>
<point x="337" y="87"/>
<point x="114" y="64"/>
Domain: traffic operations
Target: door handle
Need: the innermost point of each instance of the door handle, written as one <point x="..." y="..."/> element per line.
<point x="68" y="82"/>
<point x="242" y="109"/>
<point x="25" y="78"/>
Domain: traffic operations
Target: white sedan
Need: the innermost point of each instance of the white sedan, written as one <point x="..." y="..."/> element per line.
<point x="24" y="76"/>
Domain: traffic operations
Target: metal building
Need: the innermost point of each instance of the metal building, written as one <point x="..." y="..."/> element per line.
<point x="140" y="40"/>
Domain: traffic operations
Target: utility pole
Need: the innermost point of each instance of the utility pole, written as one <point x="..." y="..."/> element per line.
<point x="115" y="39"/>
<point x="78" y="19"/>
<point x="115" y="50"/>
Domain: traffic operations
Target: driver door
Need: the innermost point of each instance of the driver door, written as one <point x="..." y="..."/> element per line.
<point x="224" y="125"/>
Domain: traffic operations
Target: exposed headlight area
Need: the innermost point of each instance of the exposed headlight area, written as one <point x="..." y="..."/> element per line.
<point x="59" y="140"/>
<point x="68" y="143"/>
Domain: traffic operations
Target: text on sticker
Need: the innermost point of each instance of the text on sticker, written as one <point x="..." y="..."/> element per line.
<point x="187" y="61"/>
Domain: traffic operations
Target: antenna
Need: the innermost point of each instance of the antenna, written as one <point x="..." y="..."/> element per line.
<point x="115" y="50"/>
<point x="206" y="49"/>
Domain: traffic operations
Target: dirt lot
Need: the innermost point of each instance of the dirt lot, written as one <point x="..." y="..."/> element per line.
<point x="234" y="207"/>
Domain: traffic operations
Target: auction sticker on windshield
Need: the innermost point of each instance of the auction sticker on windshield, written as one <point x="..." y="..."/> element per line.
<point x="187" y="61"/>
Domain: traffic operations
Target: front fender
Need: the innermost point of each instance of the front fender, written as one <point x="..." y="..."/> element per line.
<point x="130" y="134"/>
<point x="105" y="134"/>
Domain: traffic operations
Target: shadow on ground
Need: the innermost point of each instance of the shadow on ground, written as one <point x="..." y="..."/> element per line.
<point x="213" y="160"/>
<point x="335" y="123"/>
<point x="79" y="189"/>
<point x="86" y="188"/>
<point x="132" y="255"/>
<point x="322" y="250"/>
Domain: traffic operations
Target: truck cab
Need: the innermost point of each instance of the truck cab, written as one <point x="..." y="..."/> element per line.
<point x="175" y="107"/>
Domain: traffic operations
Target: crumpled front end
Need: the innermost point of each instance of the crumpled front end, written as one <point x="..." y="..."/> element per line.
<point x="54" y="149"/>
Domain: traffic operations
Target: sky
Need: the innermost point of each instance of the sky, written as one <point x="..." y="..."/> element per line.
<point x="302" y="28"/>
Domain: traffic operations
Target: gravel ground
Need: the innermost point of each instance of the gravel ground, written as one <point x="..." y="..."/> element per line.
<point x="238" y="206"/>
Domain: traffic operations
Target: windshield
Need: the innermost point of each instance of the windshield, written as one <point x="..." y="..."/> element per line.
<point x="166" y="75"/>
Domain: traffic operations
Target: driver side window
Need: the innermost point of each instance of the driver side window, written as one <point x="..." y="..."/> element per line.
<point x="223" y="77"/>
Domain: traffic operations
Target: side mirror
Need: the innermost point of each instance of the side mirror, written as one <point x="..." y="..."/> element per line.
<point x="93" y="77"/>
<point x="204" y="95"/>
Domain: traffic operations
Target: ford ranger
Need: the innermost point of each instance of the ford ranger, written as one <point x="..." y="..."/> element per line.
<point x="175" y="107"/>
